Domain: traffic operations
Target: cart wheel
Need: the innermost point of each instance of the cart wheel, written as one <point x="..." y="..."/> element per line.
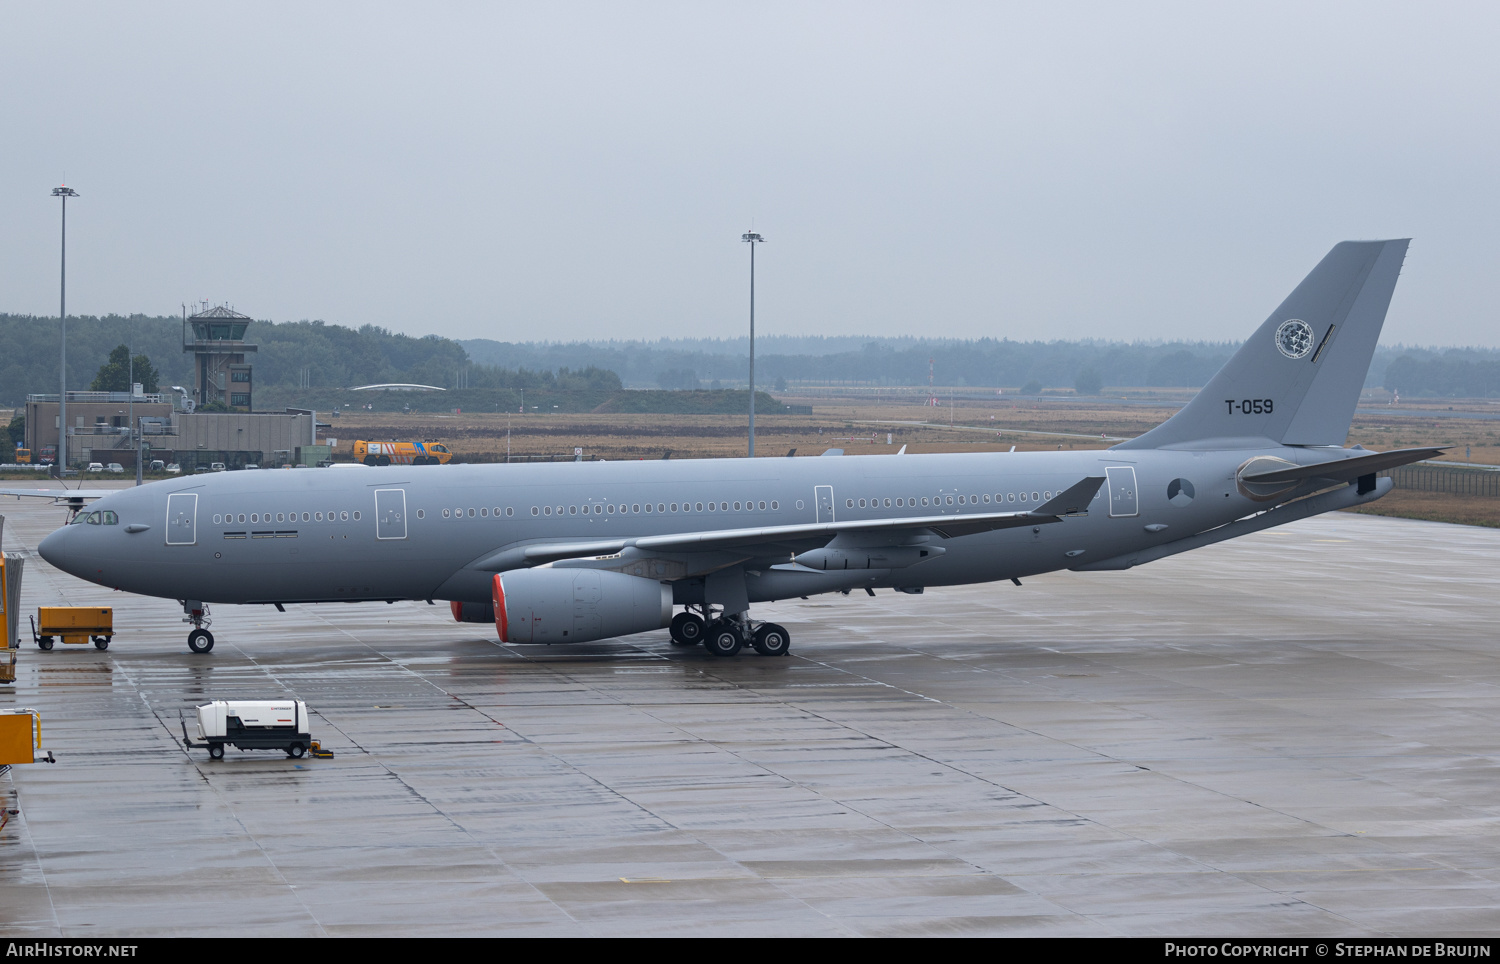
<point x="295" y="751"/>
<point x="216" y="752"/>
<point x="44" y="643"/>
<point x="101" y="643"/>
<point x="200" y="640"/>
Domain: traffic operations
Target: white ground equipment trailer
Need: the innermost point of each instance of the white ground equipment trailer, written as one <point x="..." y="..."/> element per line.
<point x="252" y="725"/>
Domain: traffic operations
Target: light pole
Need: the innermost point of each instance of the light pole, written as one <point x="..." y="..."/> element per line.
<point x="62" y="315"/>
<point x="752" y="239"/>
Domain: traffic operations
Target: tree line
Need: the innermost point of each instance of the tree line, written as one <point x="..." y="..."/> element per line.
<point x="1087" y="366"/>
<point x="328" y="358"/>
<point x="290" y="354"/>
<point x="1451" y="376"/>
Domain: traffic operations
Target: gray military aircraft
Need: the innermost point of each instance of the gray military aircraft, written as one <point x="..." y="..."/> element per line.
<point x="572" y="552"/>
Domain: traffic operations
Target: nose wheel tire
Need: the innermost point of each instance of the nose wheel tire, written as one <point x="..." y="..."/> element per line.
<point x="772" y="640"/>
<point x="200" y="640"/>
<point x="722" y="639"/>
<point x="687" y="629"/>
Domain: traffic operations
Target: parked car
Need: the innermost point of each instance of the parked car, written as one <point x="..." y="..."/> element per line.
<point x="157" y="465"/>
<point x="216" y="467"/>
<point x="174" y="469"/>
<point x="95" y="467"/>
<point x="114" y="467"/>
<point x="251" y="465"/>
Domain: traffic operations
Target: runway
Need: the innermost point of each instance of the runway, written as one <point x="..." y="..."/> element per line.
<point x="1290" y="734"/>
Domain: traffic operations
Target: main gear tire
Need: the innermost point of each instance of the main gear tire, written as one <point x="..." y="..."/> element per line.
<point x="772" y="640"/>
<point x="722" y="638"/>
<point x="687" y="629"/>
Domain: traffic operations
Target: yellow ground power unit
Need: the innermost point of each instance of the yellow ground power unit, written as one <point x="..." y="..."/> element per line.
<point x="76" y="625"/>
<point x="21" y="738"/>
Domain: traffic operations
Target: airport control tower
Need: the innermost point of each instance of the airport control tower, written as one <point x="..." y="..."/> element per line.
<point x="218" y="345"/>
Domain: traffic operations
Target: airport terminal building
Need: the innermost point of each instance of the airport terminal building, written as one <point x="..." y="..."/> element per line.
<point x="121" y="427"/>
<point x="100" y="430"/>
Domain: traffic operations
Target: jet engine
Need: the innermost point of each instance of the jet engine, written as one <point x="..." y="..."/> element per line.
<point x="469" y="612"/>
<point x="546" y="605"/>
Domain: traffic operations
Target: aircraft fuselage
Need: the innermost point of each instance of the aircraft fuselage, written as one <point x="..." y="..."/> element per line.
<point x="441" y="532"/>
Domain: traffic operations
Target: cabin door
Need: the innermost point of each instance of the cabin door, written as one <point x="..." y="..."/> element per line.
<point x="390" y="513"/>
<point x="182" y="519"/>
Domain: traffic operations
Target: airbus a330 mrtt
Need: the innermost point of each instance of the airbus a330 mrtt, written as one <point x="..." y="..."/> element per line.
<point x="571" y="552"/>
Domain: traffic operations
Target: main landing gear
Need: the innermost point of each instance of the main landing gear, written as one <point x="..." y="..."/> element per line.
<point x="726" y="635"/>
<point x="200" y="640"/>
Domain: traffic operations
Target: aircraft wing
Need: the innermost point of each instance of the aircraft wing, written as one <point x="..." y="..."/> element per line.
<point x="61" y="495"/>
<point x="1069" y="503"/>
<point x="1345" y="470"/>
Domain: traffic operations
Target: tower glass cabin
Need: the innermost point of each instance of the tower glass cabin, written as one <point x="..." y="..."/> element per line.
<point x="216" y="338"/>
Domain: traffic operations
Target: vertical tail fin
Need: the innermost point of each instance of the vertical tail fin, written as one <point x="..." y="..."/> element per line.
<point x="1297" y="379"/>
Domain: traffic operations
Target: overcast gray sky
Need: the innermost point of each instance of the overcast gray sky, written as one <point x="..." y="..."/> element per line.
<point x="563" y="171"/>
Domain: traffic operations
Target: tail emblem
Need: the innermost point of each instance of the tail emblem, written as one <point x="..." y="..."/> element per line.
<point x="1294" y="338"/>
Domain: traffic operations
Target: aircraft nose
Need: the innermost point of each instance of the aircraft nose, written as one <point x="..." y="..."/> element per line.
<point x="57" y="551"/>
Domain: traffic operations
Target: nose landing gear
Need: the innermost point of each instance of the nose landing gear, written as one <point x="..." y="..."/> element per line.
<point x="200" y="640"/>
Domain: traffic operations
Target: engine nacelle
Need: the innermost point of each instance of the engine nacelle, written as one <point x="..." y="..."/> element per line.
<point x="471" y="612"/>
<point x="546" y="605"/>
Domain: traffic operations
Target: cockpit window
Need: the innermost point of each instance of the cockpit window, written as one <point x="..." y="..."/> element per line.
<point x="92" y="518"/>
<point x="110" y="519"/>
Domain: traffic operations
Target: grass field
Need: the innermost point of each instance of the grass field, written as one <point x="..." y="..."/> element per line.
<point x="859" y="425"/>
<point x="1437" y="507"/>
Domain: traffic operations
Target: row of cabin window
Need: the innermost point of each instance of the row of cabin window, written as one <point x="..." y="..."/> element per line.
<point x="343" y="515"/>
<point x="660" y="507"/>
<point x="96" y="518"/>
<point x="459" y="513"/>
<point x="949" y="499"/>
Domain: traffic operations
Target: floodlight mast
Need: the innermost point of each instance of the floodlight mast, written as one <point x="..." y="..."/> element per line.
<point x="61" y="462"/>
<point x="752" y="239"/>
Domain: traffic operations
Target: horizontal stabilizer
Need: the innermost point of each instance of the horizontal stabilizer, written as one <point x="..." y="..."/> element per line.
<point x="1344" y="470"/>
